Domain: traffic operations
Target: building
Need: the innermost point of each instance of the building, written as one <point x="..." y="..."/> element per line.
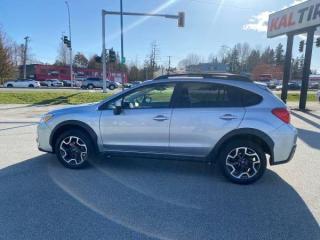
<point x="42" y="72"/>
<point x="266" y="72"/>
<point x="207" y="68"/>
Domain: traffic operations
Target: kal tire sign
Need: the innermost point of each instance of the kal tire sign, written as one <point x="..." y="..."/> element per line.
<point x="296" y="18"/>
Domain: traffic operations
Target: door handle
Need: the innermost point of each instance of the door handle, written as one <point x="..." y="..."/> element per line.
<point x="160" y="118"/>
<point x="228" y="117"/>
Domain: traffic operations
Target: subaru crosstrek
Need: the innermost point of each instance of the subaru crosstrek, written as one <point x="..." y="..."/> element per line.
<point x="222" y="118"/>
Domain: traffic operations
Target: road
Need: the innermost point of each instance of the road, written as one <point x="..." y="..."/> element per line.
<point x="121" y="198"/>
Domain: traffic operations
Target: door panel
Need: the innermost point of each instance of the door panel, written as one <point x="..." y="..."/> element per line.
<point x="194" y="131"/>
<point x="143" y="124"/>
<point x="136" y="130"/>
<point x="203" y="113"/>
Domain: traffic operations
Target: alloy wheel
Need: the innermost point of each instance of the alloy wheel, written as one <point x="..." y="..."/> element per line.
<point x="243" y="163"/>
<point x="73" y="150"/>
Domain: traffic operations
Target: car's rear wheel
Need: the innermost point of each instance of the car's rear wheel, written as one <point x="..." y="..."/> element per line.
<point x="243" y="162"/>
<point x="74" y="149"/>
<point x="90" y="86"/>
<point x="9" y="85"/>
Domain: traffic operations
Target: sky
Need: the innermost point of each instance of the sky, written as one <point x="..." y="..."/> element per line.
<point x="209" y="24"/>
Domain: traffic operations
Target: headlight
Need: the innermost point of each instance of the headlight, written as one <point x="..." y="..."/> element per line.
<point x="46" y="118"/>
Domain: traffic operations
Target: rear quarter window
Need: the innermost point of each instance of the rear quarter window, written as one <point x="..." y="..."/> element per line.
<point x="250" y="98"/>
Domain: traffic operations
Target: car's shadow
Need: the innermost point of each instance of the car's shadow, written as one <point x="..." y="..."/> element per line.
<point x="122" y="198"/>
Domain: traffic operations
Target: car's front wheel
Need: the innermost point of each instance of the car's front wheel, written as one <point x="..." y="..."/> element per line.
<point x="74" y="149"/>
<point x="243" y="162"/>
<point x="112" y="87"/>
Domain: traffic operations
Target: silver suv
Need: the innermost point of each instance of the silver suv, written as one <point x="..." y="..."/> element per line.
<point x="220" y="118"/>
<point x="91" y="83"/>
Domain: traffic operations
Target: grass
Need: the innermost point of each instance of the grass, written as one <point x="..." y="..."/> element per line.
<point x="294" y="97"/>
<point x="52" y="98"/>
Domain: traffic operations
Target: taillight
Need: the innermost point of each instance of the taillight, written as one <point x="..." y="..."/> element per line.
<point x="282" y="113"/>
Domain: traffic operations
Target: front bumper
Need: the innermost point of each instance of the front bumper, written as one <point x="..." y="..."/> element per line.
<point x="43" y="138"/>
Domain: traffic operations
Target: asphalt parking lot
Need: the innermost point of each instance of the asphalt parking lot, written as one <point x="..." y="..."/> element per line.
<point x="121" y="198"/>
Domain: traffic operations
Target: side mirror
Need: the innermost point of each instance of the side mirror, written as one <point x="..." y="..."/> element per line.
<point x="118" y="107"/>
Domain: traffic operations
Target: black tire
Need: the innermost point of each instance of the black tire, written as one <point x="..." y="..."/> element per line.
<point x="90" y="86"/>
<point x="9" y="86"/>
<point x="31" y="86"/>
<point x="85" y="139"/>
<point x="235" y="154"/>
<point x="112" y="87"/>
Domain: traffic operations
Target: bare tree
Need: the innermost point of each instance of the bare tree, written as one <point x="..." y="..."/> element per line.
<point x="62" y="58"/>
<point x="191" y="59"/>
<point x="7" y="68"/>
<point x="80" y="60"/>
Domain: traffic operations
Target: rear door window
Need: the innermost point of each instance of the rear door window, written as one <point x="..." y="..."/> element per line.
<point x="211" y="95"/>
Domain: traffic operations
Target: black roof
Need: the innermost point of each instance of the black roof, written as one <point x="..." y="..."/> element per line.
<point x="224" y="76"/>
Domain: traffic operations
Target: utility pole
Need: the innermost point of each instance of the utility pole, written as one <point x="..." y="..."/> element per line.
<point x="71" y="70"/>
<point x="122" y="54"/>
<point x="25" y="57"/>
<point x="104" y="54"/>
<point x="169" y="65"/>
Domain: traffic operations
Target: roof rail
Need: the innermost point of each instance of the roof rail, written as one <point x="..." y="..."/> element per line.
<point x="224" y="76"/>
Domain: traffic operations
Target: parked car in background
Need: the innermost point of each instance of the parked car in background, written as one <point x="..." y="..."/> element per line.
<point x="291" y="86"/>
<point x="22" y="83"/>
<point x="318" y="95"/>
<point x="136" y="83"/>
<point x="271" y="85"/>
<point x="314" y="86"/>
<point x="225" y="119"/>
<point x="91" y="83"/>
<point x="52" y="83"/>
<point x="76" y="83"/>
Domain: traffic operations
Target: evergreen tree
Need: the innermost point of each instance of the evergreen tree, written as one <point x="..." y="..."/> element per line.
<point x="279" y="54"/>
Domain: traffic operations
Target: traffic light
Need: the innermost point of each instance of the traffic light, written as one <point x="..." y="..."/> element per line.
<point x="98" y="59"/>
<point x="66" y="41"/>
<point x="301" y="46"/>
<point x="318" y="42"/>
<point x="112" y="56"/>
<point x="181" y="19"/>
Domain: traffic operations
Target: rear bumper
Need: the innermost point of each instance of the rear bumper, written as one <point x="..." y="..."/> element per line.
<point x="272" y="163"/>
<point x="285" y="143"/>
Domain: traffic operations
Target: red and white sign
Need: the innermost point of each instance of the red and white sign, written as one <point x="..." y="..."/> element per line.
<point x="298" y="17"/>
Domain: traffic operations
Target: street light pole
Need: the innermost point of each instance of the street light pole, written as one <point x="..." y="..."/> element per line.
<point x="122" y="54"/>
<point x="25" y="57"/>
<point x="71" y="70"/>
<point x="181" y="22"/>
<point x="104" y="58"/>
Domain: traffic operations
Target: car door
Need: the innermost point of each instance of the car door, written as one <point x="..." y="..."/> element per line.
<point x="19" y="83"/>
<point x="143" y="124"/>
<point x="203" y="114"/>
